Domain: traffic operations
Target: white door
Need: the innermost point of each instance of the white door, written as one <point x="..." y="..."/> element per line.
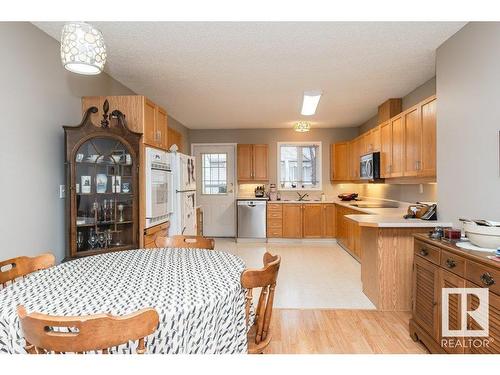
<point x="215" y="165"/>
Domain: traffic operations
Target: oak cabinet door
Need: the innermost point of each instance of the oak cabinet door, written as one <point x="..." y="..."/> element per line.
<point x="428" y="149"/>
<point x="493" y="346"/>
<point x="292" y="220"/>
<point x="412" y="141"/>
<point x="375" y="139"/>
<point x="397" y="163"/>
<point x="312" y="219"/>
<point x="354" y="156"/>
<point x="174" y="138"/>
<point x="260" y="161"/>
<point x="161" y="128"/>
<point x="450" y="280"/>
<point x="339" y="161"/>
<point x="150" y="134"/>
<point x="426" y="296"/>
<point x="245" y="159"/>
<point x="385" y="149"/>
<point x="329" y="220"/>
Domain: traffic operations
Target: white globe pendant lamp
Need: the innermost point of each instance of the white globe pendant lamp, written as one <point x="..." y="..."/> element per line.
<point x="82" y="48"/>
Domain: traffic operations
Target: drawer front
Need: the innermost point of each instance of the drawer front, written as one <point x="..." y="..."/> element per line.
<point x="453" y="263"/>
<point x="274" y="232"/>
<point x="274" y="214"/>
<point x="426" y="251"/>
<point x="274" y="207"/>
<point x="274" y="223"/>
<point x="483" y="276"/>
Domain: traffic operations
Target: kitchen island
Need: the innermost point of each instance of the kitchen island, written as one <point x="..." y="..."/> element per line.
<point x="386" y="256"/>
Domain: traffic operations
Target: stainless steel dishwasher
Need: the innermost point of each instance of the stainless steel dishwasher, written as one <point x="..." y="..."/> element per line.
<point x="251" y="219"/>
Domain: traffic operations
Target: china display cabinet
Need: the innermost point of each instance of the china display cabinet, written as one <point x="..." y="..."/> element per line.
<point x="102" y="185"/>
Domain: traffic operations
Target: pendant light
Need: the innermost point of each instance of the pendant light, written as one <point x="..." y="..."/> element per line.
<point x="82" y="48"/>
<point x="302" y="126"/>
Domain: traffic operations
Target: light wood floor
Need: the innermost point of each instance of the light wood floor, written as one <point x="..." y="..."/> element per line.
<point x="297" y="331"/>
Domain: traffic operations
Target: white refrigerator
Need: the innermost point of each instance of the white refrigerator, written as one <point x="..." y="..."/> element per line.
<point x="183" y="219"/>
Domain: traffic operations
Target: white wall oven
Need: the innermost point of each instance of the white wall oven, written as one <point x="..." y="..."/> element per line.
<point x="158" y="187"/>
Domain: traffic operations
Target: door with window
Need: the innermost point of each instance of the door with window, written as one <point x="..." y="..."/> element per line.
<point x="215" y="184"/>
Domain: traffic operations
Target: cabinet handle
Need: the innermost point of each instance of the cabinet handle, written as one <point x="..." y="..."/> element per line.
<point x="450" y="263"/>
<point x="424" y="252"/>
<point x="487" y="279"/>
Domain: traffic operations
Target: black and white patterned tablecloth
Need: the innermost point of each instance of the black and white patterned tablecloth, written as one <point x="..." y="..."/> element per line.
<point x="197" y="294"/>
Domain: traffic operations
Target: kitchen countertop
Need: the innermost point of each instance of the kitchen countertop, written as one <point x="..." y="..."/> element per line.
<point x="388" y="221"/>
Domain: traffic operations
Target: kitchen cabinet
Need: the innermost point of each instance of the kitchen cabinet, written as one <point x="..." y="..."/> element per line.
<point x="312" y="219"/>
<point x="390" y="108"/>
<point x="174" y="138"/>
<point x="339" y="162"/>
<point x="450" y="280"/>
<point x="142" y="116"/>
<point x="292" y="217"/>
<point x="347" y="231"/>
<point x="354" y="154"/>
<point x="412" y="141"/>
<point x="375" y="140"/>
<point x="385" y="149"/>
<point x="252" y="162"/>
<point x="329" y="220"/>
<point x="427" y="166"/>
<point x="397" y="129"/>
<point x="151" y="234"/>
<point x="301" y="220"/>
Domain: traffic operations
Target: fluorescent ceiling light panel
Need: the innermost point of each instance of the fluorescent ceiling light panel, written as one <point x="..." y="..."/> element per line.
<point x="310" y="102"/>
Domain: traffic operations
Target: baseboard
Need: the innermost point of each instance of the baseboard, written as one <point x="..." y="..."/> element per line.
<point x="251" y="240"/>
<point x="302" y="240"/>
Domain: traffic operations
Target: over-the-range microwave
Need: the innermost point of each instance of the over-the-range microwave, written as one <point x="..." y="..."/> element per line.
<point x="369" y="167"/>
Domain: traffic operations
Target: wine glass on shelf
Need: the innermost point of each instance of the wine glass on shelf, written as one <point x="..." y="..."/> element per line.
<point x="92" y="239"/>
<point x="79" y="240"/>
<point x="120" y="209"/>
<point x="109" y="237"/>
<point x="101" y="238"/>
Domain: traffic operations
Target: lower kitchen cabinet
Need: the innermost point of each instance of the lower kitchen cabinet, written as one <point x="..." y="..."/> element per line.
<point x="348" y="232"/>
<point x="312" y="218"/>
<point x="298" y="220"/>
<point x="292" y="220"/>
<point x="151" y="234"/>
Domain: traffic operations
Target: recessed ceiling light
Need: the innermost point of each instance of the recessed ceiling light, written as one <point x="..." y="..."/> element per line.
<point x="310" y="102"/>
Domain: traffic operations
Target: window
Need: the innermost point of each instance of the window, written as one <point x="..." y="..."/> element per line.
<point x="214" y="170"/>
<point x="299" y="165"/>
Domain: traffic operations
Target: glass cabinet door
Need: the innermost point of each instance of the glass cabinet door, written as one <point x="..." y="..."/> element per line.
<point x="104" y="194"/>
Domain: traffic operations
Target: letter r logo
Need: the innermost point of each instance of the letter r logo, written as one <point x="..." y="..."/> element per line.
<point x="479" y="313"/>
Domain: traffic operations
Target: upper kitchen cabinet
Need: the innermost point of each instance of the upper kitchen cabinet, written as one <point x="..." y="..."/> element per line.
<point x="339" y="162"/>
<point x="420" y="139"/>
<point x="427" y="166"/>
<point x="142" y="115"/>
<point x="174" y="138"/>
<point x="252" y="162"/>
<point x="389" y="109"/>
<point x="392" y="147"/>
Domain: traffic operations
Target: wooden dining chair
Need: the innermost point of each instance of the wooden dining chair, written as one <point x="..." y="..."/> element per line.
<point x="259" y="334"/>
<point x="192" y="242"/>
<point x="85" y="333"/>
<point x="12" y="269"/>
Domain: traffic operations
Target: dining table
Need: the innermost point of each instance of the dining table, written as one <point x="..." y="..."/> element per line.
<point x="196" y="292"/>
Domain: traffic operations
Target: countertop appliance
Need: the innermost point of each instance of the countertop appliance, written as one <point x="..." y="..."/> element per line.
<point x="158" y="187"/>
<point x="251" y="219"/>
<point x="183" y="219"/>
<point x="260" y="191"/>
<point x="369" y="166"/>
<point x="348" y="196"/>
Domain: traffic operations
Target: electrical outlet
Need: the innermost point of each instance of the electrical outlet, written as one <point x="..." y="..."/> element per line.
<point x="62" y="191"/>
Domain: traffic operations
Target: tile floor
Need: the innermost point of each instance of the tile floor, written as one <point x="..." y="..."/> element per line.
<point x="312" y="275"/>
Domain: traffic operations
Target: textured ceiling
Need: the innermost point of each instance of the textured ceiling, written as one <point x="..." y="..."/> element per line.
<point x="252" y="75"/>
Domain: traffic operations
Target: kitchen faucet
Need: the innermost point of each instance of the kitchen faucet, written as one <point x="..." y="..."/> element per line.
<point x="302" y="196"/>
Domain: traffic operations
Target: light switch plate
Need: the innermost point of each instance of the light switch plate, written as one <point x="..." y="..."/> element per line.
<point x="62" y="191"/>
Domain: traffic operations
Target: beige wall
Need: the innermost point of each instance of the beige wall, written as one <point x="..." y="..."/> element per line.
<point x="468" y="88"/>
<point x="38" y="96"/>
<point x="272" y="136"/>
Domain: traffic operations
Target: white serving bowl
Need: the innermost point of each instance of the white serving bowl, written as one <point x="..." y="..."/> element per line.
<point x="483" y="236"/>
